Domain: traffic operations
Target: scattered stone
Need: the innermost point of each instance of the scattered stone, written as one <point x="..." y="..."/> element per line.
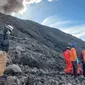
<point x="13" y="69"/>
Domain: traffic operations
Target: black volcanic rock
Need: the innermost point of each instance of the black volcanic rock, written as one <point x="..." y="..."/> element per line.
<point x="37" y="50"/>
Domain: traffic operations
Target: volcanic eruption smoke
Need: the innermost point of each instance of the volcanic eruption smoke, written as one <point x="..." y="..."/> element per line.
<point x="14" y="6"/>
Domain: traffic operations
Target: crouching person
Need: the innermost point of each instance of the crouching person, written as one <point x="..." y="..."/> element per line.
<point x="80" y="71"/>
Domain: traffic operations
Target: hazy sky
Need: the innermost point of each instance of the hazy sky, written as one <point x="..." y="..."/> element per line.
<point x="66" y="15"/>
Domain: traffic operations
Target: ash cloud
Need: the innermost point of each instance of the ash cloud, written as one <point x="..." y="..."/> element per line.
<point x="15" y="6"/>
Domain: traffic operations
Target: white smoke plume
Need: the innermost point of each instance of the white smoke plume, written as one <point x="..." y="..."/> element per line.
<point x="14" y="6"/>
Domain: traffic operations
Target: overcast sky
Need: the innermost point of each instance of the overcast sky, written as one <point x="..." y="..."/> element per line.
<point x="66" y="15"/>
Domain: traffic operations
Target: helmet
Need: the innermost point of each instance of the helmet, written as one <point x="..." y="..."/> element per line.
<point x="73" y="45"/>
<point x="9" y="27"/>
<point x="67" y="47"/>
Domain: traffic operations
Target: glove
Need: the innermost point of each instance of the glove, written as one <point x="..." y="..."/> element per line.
<point x="77" y="60"/>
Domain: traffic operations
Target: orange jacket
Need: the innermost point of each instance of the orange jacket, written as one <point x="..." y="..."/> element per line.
<point x="67" y="56"/>
<point x="83" y="55"/>
<point x="73" y="54"/>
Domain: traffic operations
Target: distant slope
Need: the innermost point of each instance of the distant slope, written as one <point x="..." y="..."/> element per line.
<point x="51" y="37"/>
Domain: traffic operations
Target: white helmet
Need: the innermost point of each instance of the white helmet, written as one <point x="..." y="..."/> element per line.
<point x="9" y="27"/>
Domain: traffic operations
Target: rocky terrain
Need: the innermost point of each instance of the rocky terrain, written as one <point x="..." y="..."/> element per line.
<point x="37" y="50"/>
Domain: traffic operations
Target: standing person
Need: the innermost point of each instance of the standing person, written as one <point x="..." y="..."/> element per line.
<point x="5" y="40"/>
<point x="74" y="60"/>
<point x="4" y="48"/>
<point x="83" y="61"/>
<point x="67" y="57"/>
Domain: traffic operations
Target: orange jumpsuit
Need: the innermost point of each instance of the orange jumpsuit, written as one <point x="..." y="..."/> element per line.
<point x="67" y="57"/>
<point x="83" y="61"/>
<point x="76" y="67"/>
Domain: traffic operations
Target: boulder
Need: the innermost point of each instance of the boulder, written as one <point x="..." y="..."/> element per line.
<point x="13" y="69"/>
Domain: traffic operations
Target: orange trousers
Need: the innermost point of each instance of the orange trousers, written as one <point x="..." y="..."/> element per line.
<point x="68" y="68"/>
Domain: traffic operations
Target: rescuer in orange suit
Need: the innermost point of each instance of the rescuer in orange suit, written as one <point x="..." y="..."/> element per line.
<point x="83" y="61"/>
<point x="74" y="60"/>
<point x="67" y="57"/>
